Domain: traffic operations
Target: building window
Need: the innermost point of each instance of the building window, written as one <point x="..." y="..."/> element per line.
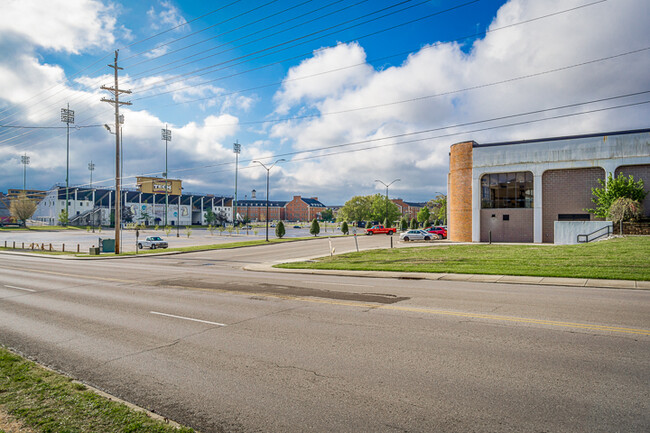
<point x="507" y="190"/>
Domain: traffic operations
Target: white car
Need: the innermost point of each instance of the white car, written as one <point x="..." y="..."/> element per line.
<point x="153" y="242"/>
<point x="415" y="235"/>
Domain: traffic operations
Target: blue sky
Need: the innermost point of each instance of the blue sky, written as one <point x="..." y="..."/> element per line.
<point x="346" y="91"/>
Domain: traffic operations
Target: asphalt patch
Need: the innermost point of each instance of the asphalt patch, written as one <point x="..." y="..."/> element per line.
<point x="283" y="290"/>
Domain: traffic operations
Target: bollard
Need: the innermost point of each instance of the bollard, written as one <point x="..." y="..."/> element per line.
<point x="63" y="248"/>
<point x="78" y="248"/>
<point x="14" y="245"/>
<point x="356" y="242"/>
<point x="490" y="237"/>
<point x="23" y="246"/>
<point x="391" y="242"/>
<point x="5" y="244"/>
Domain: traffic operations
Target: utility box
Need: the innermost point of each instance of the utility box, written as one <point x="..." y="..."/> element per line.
<point x="106" y="245"/>
<point x="94" y="251"/>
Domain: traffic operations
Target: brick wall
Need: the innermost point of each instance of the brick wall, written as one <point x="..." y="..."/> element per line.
<point x="566" y="192"/>
<point x="298" y="210"/>
<point x="460" y="192"/>
<point x="639" y="172"/>
<point x="518" y="227"/>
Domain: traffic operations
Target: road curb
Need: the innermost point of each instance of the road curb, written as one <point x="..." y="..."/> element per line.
<point x="474" y="278"/>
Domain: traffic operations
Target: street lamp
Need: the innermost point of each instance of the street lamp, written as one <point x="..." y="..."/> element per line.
<point x="396" y="180"/>
<point x="25" y="161"/>
<point x="166" y="135"/>
<point x="268" y="171"/>
<point x="67" y="117"/>
<point x="91" y="168"/>
<point x="236" y="148"/>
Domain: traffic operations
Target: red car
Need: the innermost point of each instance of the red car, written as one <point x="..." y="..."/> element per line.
<point x="440" y="231"/>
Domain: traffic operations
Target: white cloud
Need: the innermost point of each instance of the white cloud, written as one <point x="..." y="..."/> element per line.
<point x="60" y="25"/>
<point x="168" y="16"/>
<point x="589" y="33"/>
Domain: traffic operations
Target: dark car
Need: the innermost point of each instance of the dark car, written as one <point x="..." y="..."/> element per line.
<point x="438" y="230"/>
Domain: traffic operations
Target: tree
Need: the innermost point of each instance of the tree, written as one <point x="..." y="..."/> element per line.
<point x="383" y="209"/>
<point x="424" y="215"/>
<point x="22" y="208"/>
<point x="358" y="208"/>
<point x="414" y="223"/>
<point x="63" y="217"/>
<point x="438" y="208"/>
<point x="387" y="223"/>
<point x="327" y="215"/>
<point x="315" y="228"/>
<point x="403" y="224"/>
<point x="279" y="230"/>
<point x="624" y="209"/>
<point x="619" y="187"/>
<point x="344" y="228"/>
<point x="210" y="217"/>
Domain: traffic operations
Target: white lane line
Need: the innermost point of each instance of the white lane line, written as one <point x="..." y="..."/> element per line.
<point x="20" y="288"/>
<point x="338" y="284"/>
<point x="187" y="318"/>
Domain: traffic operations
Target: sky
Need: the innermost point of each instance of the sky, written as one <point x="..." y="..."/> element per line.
<point x="346" y="92"/>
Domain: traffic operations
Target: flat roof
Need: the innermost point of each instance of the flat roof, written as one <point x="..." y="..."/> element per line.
<point x="565" y="137"/>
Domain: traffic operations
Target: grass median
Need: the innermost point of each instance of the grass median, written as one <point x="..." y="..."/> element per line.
<point x="44" y="401"/>
<point x="620" y="258"/>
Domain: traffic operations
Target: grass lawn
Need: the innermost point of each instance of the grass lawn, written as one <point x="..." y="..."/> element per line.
<point x="49" y="402"/>
<point x="621" y="258"/>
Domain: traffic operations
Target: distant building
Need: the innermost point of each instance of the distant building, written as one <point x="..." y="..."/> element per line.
<point x="255" y="210"/>
<point x="303" y="209"/>
<point x="408" y="209"/>
<point x="515" y="191"/>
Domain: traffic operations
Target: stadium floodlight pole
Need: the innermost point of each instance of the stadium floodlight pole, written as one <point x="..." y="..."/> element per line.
<point x="166" y="135"/>
<point x="67" y="117"/>
<point x="268" y="171"/>
<point x="25" y="161"/>
<point x="236" y="148"/>
<point x="91" y="168"/>
<point x="396" y="180"/>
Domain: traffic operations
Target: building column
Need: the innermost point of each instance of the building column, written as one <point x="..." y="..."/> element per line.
<point x="476" y="209"/>
<point x="609" y="167"/>
<point x="537" y="208"/>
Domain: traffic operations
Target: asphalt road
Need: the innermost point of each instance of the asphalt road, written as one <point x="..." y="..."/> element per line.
<point x="199" y="340"/>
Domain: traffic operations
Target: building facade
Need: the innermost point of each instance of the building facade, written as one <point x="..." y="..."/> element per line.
<point x="408" y="209"/>
<point x="255" y="210"/>
<point x="303" y="209"/>
<point x="515" y="191"/>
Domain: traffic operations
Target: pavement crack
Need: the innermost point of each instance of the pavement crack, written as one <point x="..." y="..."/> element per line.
<point x="305" y="370"/>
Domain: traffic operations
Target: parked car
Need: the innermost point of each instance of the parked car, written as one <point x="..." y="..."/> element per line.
<point x="438" y="230"/>
<point x="153" y="242"/>
<point x="297" y="227"/>
<point x="415" y="235"/>
<point x="374" y="230"/>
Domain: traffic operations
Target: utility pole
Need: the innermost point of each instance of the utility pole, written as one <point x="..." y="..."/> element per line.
<point x="67" y="117"/>
<point x="116" y="102"/>
<point x="91" y="168"/>
<point x="236" y="147"/>
<point x="25" y="161"/>
<point x="167" y="136"/>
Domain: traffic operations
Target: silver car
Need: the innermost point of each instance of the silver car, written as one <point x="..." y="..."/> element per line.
<point x="415" y="235"/>
<point x="153" y="242"/>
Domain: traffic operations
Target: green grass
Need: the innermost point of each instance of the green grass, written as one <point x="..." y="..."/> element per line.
<point x="48" y="402"/>
<point x="622" y="258"/>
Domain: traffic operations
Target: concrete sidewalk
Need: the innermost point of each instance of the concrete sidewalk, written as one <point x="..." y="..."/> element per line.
<point x="477" y="278"/>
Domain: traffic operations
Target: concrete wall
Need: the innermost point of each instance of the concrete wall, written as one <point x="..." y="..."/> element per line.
<point x="566" y="232"/>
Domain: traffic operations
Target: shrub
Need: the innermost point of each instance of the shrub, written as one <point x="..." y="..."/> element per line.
<point x="344" y="228"/>
<point x="624" y="209"/>
<point x="614" y="188"/>
<point x="279" y="230"/>
<point x="315" y="227"/>
<point x="403" y="224"/>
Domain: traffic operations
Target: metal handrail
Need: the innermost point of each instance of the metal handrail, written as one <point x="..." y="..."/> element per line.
<point x="585" y="238"/>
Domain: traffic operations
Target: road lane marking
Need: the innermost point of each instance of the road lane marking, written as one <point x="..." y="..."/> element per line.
<point x="20" y="288"/>
<point x="337" y="284"/>
<point x="188" y="318"/>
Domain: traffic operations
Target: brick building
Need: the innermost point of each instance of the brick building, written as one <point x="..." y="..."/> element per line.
<point x="255" y="210"/>
<point x="515" y="191"/>
<point x="408" y="209"/>
<point x="303" y="209"/>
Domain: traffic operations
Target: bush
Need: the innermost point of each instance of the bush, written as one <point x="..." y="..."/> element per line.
<point x="624" y="209"/>
<point x="344" y="228"/>
<point x="315" y="227"/>
<point x="414" y="223"/>
<point x="614" y="188"/>
<point x="403" y="224"/>
<point x="279" y="230"/>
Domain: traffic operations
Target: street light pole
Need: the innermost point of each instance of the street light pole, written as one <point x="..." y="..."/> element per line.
<point x="91" y="168"/>
<point x="67" y="117"/>
<point x="236" y="148"/>
<point x="167" y="136"/>
<point x="396" y="180"/>
<point x="268" y="171"/>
